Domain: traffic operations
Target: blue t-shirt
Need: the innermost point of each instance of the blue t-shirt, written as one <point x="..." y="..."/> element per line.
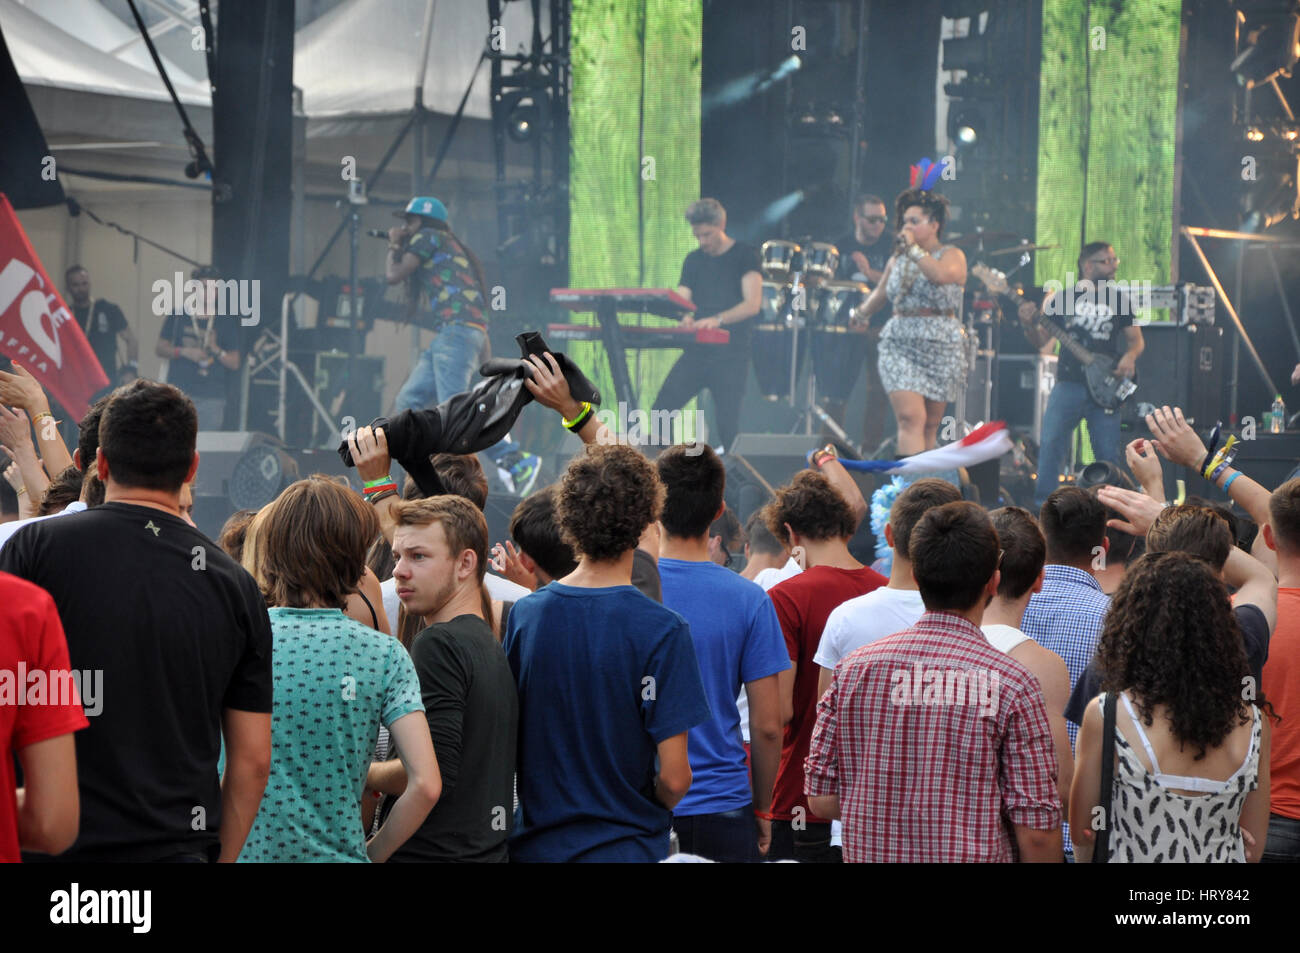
<point x="335" y="681"/>
<point x="604" y="675"/>
<point x="737" y="639"/>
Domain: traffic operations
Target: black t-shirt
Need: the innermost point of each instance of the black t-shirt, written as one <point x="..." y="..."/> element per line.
<point x="102" y="321"/>
<point x="179" y="330"/>
<point x="1254" y="634"/>
<point x="715" y="283"/>
<point x="877" y="253"/>
<point x="180" y="633"/>
<point x="1098" y="322"/>
<point x="645" y="576"/>
<point x="473" y="711"/>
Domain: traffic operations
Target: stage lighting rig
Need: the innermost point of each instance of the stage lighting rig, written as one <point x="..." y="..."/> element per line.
<point x="1269" y="44"/>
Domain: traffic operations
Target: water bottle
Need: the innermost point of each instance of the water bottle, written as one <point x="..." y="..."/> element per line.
<point x="1277" y="423"/>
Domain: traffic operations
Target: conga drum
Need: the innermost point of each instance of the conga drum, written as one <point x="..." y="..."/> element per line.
<point x="778" y="258"/>
<point x="820" y="259"/>
<point x="770" y="348"/>
<point x="839" y="350"/>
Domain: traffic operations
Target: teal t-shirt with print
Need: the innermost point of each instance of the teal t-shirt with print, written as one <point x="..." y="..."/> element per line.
<point x="335" y="682"/>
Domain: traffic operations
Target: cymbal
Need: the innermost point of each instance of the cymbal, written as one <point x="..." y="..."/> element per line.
<point x="1014" y="249"/>
<point x="974" y="238"/>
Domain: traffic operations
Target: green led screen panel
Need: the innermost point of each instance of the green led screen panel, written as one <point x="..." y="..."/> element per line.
<point x="1108" y="101"/>
<point x="635" y="163"/>
<point x="1108" y="111"/>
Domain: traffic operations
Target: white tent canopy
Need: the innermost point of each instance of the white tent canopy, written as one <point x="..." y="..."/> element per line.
<point x="64" y="44"/>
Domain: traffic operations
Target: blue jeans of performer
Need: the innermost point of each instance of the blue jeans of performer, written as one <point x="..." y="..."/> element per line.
<point x="1283" y="843"/>
<point x="1068" y="405"/>
<point x="730" y="837"/>
<point x="447" y="367"/>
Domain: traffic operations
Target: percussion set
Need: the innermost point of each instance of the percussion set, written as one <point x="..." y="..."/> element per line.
<point x="805" y="309"/>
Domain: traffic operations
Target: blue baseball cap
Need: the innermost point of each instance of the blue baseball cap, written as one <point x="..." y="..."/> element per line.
<point x="425" y="205"/>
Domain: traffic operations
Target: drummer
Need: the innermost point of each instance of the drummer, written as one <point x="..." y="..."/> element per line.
<point x="863" y="255"/>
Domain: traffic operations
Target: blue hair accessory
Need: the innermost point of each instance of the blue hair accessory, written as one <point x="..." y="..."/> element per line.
<point x="882" y="501"/>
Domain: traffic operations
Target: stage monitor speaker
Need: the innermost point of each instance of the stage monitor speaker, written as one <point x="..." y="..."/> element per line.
<point x="238" y="469"/>
<point x="1179" y="367"/>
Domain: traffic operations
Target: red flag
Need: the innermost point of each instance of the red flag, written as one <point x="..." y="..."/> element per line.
<point x="36" y="328"/>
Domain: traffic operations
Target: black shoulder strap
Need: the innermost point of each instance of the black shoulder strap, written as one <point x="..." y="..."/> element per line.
<point x="1101" y="852"/>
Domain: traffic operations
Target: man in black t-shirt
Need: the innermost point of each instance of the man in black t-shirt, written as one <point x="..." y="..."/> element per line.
<point x="172" y="635"/>
<point x="202" y="347"/>
<point x="723" y="278"/>
<point x="1100" y="317"/>
<point x="863" y="255"/>
<point x="103" y="323"/>
<point x="440" y="545"/>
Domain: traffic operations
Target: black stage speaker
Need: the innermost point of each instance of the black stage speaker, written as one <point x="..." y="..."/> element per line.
<point x="1180" y="367"/>
<point x="238" y="469"/>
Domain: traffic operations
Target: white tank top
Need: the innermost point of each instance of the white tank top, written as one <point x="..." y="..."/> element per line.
<point x="1004" y="638"/>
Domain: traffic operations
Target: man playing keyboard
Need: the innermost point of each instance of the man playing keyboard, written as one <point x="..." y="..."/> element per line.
<point x="723" y="279"/>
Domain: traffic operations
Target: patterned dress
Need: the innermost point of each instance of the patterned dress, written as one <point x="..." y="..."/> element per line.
<point x="919" y="353"/>
<point x="1154" y="824"/>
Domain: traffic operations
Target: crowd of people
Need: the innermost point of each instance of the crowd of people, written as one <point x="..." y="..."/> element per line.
<point x="366" y="676"/>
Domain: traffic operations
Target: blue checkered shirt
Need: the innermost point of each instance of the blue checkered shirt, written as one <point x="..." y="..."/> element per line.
<point x="1067" y="617"/>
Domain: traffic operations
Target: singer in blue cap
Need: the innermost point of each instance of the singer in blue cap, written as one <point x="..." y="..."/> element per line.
<point x="446" y="278"/>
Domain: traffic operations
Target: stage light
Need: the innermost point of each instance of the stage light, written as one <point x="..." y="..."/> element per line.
<point x="965" y="125"/>
<point x="1274" y="196"/>
<point x="1270" y="44"/>
<point x="751" y="84"/>
<point x="523" y="119"/>
<point x="1255" y="134"/>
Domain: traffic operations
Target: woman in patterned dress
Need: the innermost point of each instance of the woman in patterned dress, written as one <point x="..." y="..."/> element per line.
<point x="1191" y="777"/>
<point x="923" y="346"/>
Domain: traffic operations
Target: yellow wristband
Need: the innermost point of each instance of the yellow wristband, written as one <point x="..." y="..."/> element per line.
<point x="586" y="409"/>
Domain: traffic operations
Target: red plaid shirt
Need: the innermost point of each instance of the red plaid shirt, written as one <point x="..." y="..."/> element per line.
<point x="935" y="743"/>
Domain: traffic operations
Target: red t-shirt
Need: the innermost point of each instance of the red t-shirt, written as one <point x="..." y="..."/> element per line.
<point x="803" y="603"/>
<point x="33" y="705"/>
<point x="1281" y="685"/>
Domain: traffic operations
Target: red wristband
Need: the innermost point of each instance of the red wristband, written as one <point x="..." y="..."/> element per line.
<point x="176" y="351"/>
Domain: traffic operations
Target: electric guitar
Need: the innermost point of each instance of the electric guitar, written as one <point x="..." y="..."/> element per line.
<point x="1107" y="388"/>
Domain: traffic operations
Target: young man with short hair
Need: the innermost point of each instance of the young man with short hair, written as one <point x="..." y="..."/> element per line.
<point x="1024" y="552"/>
<point x="608" y="681"/>
<point x="181" y="636"/>
<point x="440" y="546"/>
<point x="738" y="642"/>
<point x="811" y="514"/>
<point x="542" y="550"/>
<point x="764" y="553"/>
<point x="892" y="608"/>
<point x="1067" y="614"/>
<point x="931" y="745"/>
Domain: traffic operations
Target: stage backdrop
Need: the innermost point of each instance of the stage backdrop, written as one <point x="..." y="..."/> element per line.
<point x="1107" y="134"/>
<point x="635" y="165"/>
<point x="1107" y="137"/>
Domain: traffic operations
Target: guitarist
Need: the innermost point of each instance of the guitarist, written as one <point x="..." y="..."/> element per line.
<point x="1100" y="314"/>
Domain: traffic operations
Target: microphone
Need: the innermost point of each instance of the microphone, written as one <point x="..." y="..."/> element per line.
<point x="900" y="243"/>
<point x="377" y="233"/>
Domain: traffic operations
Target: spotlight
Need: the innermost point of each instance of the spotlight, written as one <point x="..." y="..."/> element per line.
<point x="523" y="119"/>
<point x="1255" y="134"/>
<point x="1273" y="196"/>
<point x="780" y="208"/>
<point x="751" y="84"/>
<point x="965" y="125"/>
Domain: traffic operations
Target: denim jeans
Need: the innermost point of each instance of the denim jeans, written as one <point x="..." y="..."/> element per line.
<point x="1283" y="844"/>
<point x="448" y="366"/>
<point x="1068" y="405"/>
<point x="730" y="837"/>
